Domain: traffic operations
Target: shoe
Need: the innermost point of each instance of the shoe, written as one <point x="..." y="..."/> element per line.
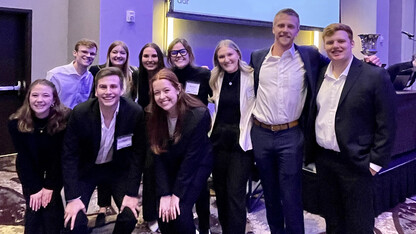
<point x="153" y="225"/>
<point x="100" y="220"/>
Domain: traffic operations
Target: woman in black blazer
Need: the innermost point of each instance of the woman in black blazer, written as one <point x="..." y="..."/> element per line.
<point x="178" y="128"/>
<point x="37" y="130"/>
<point x="195" y="81"/>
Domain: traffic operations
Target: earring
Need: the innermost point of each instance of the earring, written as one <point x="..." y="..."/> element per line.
<point x="53" y="104"/>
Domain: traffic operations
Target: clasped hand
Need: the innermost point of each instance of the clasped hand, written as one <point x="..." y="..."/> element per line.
<point x="169" y="208"/>
<point x="41" y="198"/>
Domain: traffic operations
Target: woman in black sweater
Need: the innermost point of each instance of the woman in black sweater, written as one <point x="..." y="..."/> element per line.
<point x="37" y="130"/>
<point x="150" y="62"/>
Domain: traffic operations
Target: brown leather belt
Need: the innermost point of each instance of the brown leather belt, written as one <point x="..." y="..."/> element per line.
<point x="278" y="127"/>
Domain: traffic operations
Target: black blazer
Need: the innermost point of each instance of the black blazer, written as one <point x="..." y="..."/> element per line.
<point x="176" y="169"/>
<point x="82" y="142"/>
<point x="397" y="68"/>
<point x="365" y="122"/>
<point x="313" y="62"/>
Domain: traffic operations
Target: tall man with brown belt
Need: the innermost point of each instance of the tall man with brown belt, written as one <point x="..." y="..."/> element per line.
<point x="284" y="79"/>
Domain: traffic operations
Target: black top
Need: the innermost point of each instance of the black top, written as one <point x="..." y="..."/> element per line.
<point x="141" y="89"/>
<point x="177" y="168"/>
<point x="198" y="75"/>
<point x="226" y="131"/>
<point x="38" y="161"/>
<point x="229" y="102"/>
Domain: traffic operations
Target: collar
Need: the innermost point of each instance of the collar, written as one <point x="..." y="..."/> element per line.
<point x="115" y="112"/>
<point x="329" y="71"/>
<point x="74" y="71"/>
<point x="290" y="52"/>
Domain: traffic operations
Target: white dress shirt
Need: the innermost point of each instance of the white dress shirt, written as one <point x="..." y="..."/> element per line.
<point x="327" y="104"/>
<point x="282" y="90"/>
<point x="105" y="154"/>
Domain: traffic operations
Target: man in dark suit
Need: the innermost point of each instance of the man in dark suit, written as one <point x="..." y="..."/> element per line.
<point x="355" y="126"/>
<point x="407" y="69"/>
<point x="284" y="78"/>
<point x="105" y="141"/>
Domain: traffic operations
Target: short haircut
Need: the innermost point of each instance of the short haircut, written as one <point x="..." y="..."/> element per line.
<point x="187" y="47"/>
<point x="332" y="28"/>
<point x="287" y="11"/>
<point x="86" y="42"/>
<point x="109" y="71"/>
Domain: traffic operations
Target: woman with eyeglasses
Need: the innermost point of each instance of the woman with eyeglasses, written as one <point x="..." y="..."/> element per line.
<point x="233" y="95"/>
<point x="195" y="81"/>
<point x="178" y="128"/>
<point x="150" y="62"/>
<point x="37" y="130"/>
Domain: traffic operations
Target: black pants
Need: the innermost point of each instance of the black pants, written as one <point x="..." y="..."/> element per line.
<point x="346" y="194"/>
<point x="149" y="201"/>
<point x="104" y="195"/>
<point x="231" y="172"/>
<point x="184" y="223"/>
<point x="126" y="220"/>
<point x="48" y="220"/>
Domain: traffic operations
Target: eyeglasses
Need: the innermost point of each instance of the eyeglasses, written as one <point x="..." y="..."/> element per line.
<point x="182" y="52"/>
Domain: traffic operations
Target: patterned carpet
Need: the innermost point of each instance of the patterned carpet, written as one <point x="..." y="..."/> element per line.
<point x="401" y="219"/>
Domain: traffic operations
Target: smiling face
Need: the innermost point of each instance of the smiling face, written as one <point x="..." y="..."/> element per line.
<point x="118" y="56"/>
<point x="84" y="56"/>
<point x="179" y="56"/>
<point x="338" y="46"/>
<point x="40" y="100"/>
<point x="285" y="30"/>
<point x="108" y="91"/>
<point x="150" y="59"/>
<point x="228" y="59"/>
<point x="166" y="96"/>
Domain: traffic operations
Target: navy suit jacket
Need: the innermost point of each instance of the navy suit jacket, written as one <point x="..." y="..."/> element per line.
<point x="365" y="121"/>
<point x="313" y="62"/>
<point x="82" y="143"/>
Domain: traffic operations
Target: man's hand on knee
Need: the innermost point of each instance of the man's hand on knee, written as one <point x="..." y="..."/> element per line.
<point x="71" y="211"/>
<point x="130" y="202"/>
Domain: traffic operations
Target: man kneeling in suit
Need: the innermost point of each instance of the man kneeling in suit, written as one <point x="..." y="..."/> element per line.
<point x="105" y="141"/>
<point x="355" y="126"/>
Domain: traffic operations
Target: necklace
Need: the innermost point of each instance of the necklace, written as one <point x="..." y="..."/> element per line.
<point x="231" y="80"/>
<point x="42" y="129"/>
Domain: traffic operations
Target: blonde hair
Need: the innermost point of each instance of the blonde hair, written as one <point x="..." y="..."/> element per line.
<point x="219" y="71"/>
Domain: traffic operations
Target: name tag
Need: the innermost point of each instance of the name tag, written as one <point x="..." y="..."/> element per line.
<point x="124" y="141"/>
<point x="192" y="88"/>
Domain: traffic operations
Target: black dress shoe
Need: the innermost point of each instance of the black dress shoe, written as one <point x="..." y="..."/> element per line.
<point x="100" y="220"/>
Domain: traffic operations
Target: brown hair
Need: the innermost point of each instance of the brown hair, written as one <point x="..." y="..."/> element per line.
<point x="86" y="42"/>
<point x="126" y="66"/>
<point x="157" y="125"/>
<point x="58" y="113"/>
<point x="332" y="28"/>
<point x="287" y="11"/>
<point x="109" y="71"/>
<point x="187" y="47"/>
